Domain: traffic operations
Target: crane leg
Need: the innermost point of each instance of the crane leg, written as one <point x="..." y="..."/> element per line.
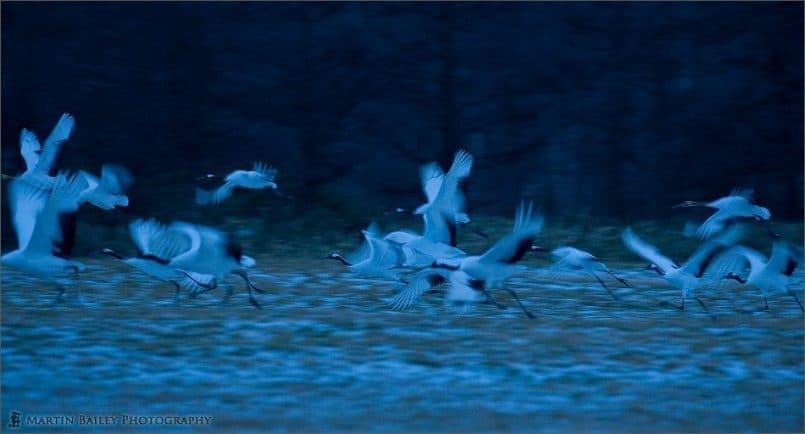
<point x="249" y="287"/>
<point x="752" y="311"/>
<point x="245" y="276"/>
<point x="794" y="294"/>
<point x="60" y="295"/>
<point x="205" y="287"/>
<point x="612" y="294"/>
<point x="706" y="310"/>
<point x="251" y="298"/>
<point x="620" y="279"/>
<point x="175" y="285"/>
<point x="492" y="300"/>
<point x="517" y="299"/>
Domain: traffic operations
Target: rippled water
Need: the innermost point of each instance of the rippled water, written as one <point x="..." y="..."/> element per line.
<point x="326" y="353"/>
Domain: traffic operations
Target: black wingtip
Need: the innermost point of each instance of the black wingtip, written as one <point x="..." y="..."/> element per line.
<point x="523" y="246"/>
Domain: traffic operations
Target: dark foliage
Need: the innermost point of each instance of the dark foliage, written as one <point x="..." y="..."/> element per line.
<point x="591" y="109"/>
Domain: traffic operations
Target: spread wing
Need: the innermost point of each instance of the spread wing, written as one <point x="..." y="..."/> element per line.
<point x="647" y="251"/>
<point x="26" y="202"/>
<point x="383" y="257"/>
<point x="707" y="252"/>
<point x="448" y="198"/>
<point x="731" y="210"/>
<point x="439" y="228"/>
<point x="512" y="247"/>
<point x="116" y="179"/>
<point x="265" y="170"/>
<point x="52" y="233"/>
<point x="156" y="241"/>
<point x="432" y="177"/>
<point x="712" y="225"/>
<point x="188" y="232"/>
<point x="385" y="254"/>
<point x="419" y="284"/>
<point x="50" y="150"/>
<point x="223" y="192"/>
<point x="29" y="148"/>
<point x="91" y="180"/>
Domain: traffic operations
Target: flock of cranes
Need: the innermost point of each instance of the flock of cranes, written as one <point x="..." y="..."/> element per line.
<point x="435" y="259"/>
<point x="44" y="203"/>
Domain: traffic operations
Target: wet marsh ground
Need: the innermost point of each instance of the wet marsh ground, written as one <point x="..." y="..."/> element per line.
<point x="327" y="353"/>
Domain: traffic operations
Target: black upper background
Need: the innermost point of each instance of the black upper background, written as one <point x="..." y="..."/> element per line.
<point x="609" y="110"/>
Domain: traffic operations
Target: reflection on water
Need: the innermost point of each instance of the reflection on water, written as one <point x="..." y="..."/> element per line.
<point x="326" y="353"/>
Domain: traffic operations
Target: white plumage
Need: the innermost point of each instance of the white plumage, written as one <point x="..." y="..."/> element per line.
<point x="422" y="282"/>
<point x="39" y="164"/>
<point x="578" y="261"/>
<point x="194" y="251"/>
<point x="442" y="190"/>
<point x="197" y="257"/>
<point x="109" y="191"/>
<point x="156" y="246"/>
<point x="45" y="232"/>
<point x="688" y="277"/>
<point x="40" y="159"/>
<point x="444" y="209"/>
<point x="736" y="207"/>
<point x="377" y="257"/>
<point x="421" y="250"/>
<point x="463" y="290"/>
<point x="491" y="269"/>
<point x="261" y="176"/>
<point x="769" y="275"/>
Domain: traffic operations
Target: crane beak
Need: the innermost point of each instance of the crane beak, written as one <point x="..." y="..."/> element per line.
<point x="686" y="204"/>
<point x="395" y="211"/>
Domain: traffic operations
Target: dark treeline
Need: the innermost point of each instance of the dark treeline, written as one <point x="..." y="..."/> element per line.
<point x="610" y="110"/>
